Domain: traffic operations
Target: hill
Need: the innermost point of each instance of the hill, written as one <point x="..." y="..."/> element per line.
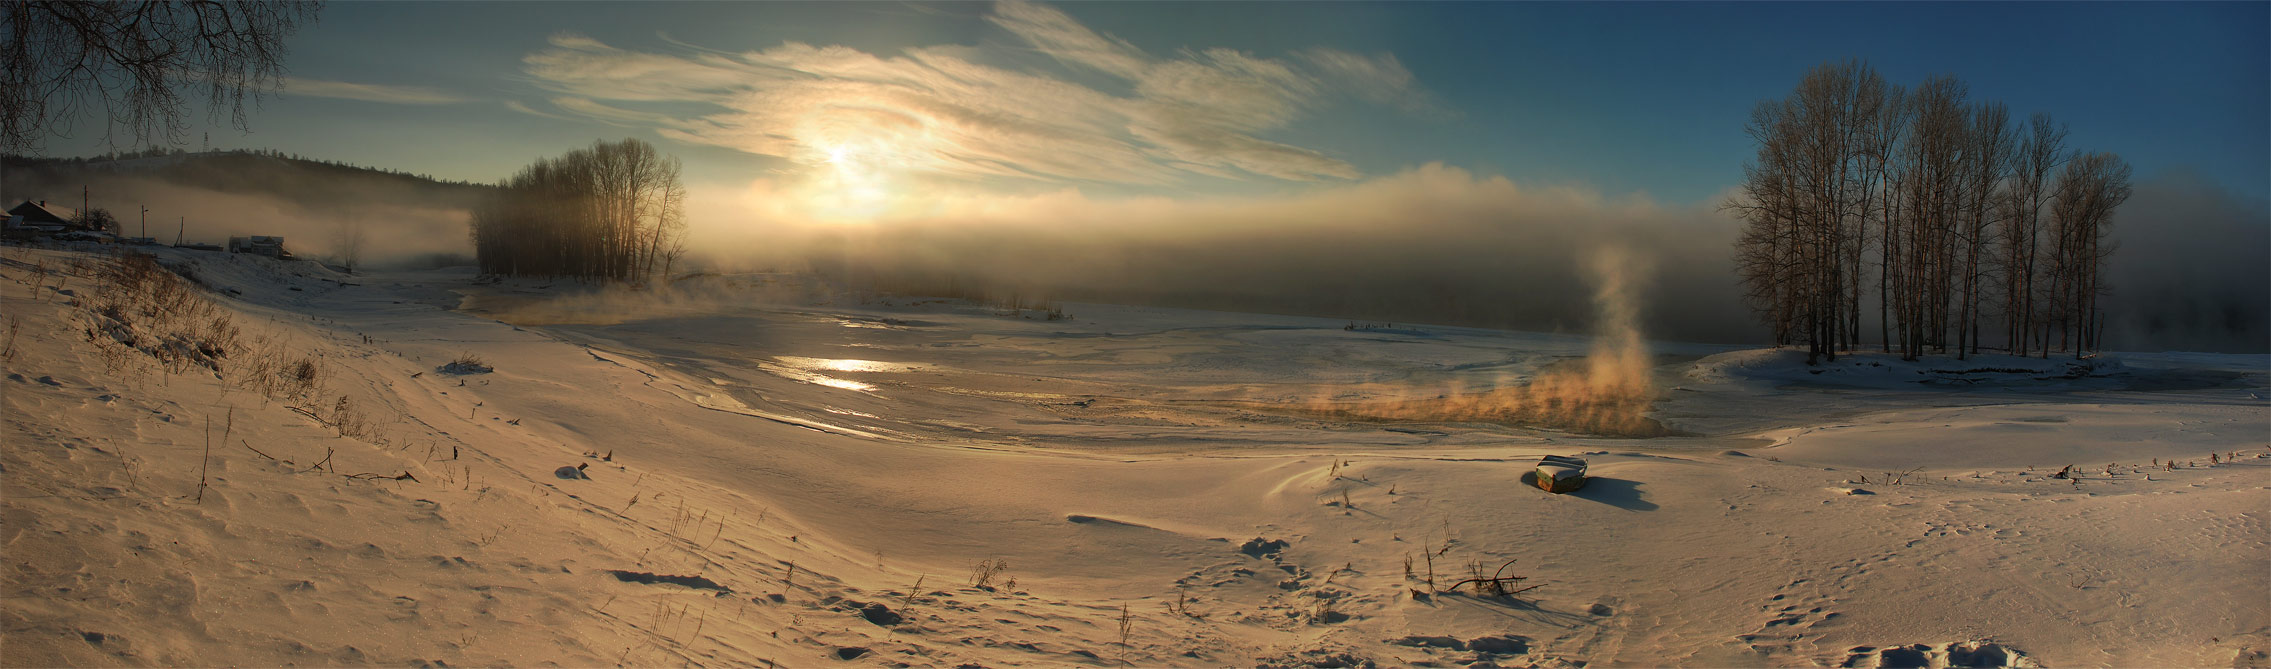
<point x="253" y="172"/>
<point x="317" y="205"/>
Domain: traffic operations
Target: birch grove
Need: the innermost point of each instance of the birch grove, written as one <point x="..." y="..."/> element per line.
<point x="1978" y="231"/>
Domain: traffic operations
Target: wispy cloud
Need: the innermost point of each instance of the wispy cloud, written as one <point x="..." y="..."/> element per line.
<point x="521" y="107"/>
<point x="1067" y="40"/>
<point x="944" y="110"/>
<point x="1378" y="78"/>
<point x="615" y="115"/>
<point x="344" y="90"/>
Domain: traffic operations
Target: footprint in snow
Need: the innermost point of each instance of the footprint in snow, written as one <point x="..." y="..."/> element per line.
<point x="1957" y="654"/>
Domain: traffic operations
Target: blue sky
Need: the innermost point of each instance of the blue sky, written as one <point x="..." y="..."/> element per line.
<point x="1173" y="100"/>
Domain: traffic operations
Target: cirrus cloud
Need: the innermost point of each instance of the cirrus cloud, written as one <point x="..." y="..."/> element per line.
<point x="946" y="111"/>
<point x="347" y="90"/>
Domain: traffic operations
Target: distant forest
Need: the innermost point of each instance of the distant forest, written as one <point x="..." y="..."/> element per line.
<point x="162" y="152"/>
<point x="289" y="177"/>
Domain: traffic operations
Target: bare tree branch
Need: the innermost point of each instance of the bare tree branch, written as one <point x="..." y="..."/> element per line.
<point x="134" y="61"/>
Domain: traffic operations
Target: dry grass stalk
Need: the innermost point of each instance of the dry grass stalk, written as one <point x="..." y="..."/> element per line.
<point x="1127" y="624"/>
<point x="912" y="593"/>
<point x="983" y="574"/>
<point x="8" y="345"/>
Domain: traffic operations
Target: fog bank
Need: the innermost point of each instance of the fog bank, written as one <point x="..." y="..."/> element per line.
<point x="210" y="197"/>
<point x="2192" y="271"/>
<point x="1434" y="244"/>
<point x="1440" y="245"/>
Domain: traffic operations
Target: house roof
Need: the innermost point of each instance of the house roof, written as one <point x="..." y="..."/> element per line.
<point x="34" y="212"/>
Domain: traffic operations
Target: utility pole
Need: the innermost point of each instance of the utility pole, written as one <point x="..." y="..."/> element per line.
<point x="82" y="204"/>
<point x="145" y="221"/>
<point x="178" y="228"/>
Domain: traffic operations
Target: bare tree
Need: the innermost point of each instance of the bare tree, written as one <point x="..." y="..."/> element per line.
<point x="1889" y="129"/>
<point x="136" y="61"/>
<point x="98" y="220"/>
<point x="1985" y="168"/>
<point x="1951" y="195"/>
<point x="609" y="212"/>
<point x="1806" y="202"/>
<point x="350" y="244"/>
<point x="1932" y="189"/>
<point x="2089" y="188"/>
<point x="2041" y="151"/>
<point x="1765" y="255"/>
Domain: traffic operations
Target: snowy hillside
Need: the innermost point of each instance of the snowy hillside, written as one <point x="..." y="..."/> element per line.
<point x="269" y="463"/>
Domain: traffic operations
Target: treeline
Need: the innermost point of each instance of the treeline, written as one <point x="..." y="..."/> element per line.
<point x="1975" y="222"/>
<point x="162" y="152"/>
<point x="614" y="211"/>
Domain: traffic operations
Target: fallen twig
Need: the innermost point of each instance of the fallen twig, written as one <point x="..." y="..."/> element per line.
<point x="310" y="414"/>
<point x="1497" y="583"/>
<point x="255" y="451"/>
<point x="366" y="476"/>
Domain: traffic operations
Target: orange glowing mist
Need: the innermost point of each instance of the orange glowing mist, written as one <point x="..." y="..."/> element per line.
<point x="1606" y="393"/>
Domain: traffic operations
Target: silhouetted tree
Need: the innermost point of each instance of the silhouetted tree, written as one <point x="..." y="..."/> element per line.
<point x="2041" y="151"/>
<point x="1986" y="166"/>
<point x="135" y="61"/>
<point x="350" y="244"/>
<point x="1805" y="202"/>
<point x="2081" y="210"/>
<point x="96" y="219"/>
<point x="612" y="211"/>
<point x="1949" y="186"/>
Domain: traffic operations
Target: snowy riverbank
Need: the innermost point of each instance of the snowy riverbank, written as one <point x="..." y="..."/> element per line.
<point x="772" y="469"/>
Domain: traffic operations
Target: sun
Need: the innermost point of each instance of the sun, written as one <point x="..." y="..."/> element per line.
<point x="853" y="182"/>
<point x="859" y="163"/>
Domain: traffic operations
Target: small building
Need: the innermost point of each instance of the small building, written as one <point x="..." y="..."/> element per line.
<point x="42" y="216"/>
<point x="267" y="245"/>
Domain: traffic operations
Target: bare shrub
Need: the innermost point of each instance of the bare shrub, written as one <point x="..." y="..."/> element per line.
<point x="1182" y="606"/>
<point x="219" y="337"/>
<point x="347" y="420"/>
<point x="256" y="369"/>
<point x="467" y="363"/>
<point x="140" y="304"/>
<point x="302" y="376"/>
<point x="982" y="575"/>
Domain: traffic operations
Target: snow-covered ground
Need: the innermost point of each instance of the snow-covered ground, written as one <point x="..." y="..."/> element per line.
<point x="772" y="469"/>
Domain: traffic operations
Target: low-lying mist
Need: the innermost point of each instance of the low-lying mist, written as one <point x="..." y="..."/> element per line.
<point x="1440" y="245"/>
<point x="1432" y="245"/>
<point x="2191" y="270"/>
<point x="698" y="295"/>
<point x="1606" y="393"/>
<point x="316" y="207"/>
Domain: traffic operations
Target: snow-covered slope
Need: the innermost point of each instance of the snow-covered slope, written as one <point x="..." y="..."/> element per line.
<point x="769" y="472"/>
